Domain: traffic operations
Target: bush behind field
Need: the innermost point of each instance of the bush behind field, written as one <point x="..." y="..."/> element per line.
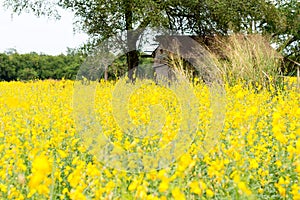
<point x="14" y="66"/>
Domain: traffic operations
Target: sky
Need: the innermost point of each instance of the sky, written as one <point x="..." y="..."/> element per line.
<point x="27" y="33"/>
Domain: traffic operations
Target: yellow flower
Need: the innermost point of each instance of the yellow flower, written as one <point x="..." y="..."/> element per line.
<point x="281" y="186"/>
<point x="163" y="198"/>
<point x="109" y="186"/>
<point x="281" y="181"/>
<point x="243" y="187"/>
<point x="195" y="187"/>
<point x="3" y="188"/>
<point x="141" y="191"/>
<point x="35" y="180"/>
<point x="209" y="193"/>
<point x="62" y="154"/>
<point x="77" y="195"/>
<point x="74" y="178"/>
<point x="282" y="191"/>
<point x="253" y="164"/>
<point x="133" y="185"/>
<point x="177" y="194"/>
<point x="41" y="164"/>
<point x="164" y="185"/>
<point x="295" y="191"/>
<point x="203" y="186"/>
<point x="65" y="191"/>
<point x="278" y="163"/>
<point x="40" y="138"/>
<point x="43" y="189"/>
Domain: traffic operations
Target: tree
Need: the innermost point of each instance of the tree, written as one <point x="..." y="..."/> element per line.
<point x="7" y="72"/>
<point x="287" y="35"/>
<point x="102" y="19"/>
<point x="27" y="74"/>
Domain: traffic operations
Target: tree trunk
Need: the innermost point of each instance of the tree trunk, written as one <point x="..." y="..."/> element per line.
<point x="132" y="62"/>
<point x="132" y="54"/>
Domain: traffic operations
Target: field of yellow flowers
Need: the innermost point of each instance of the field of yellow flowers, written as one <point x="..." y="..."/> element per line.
<point x="43" y="156"/>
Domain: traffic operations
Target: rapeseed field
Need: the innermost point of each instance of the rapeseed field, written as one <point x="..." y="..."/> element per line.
<point x="43" y="154"/>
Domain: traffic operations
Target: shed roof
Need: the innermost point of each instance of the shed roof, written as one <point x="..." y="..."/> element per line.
<point x="188" y="44"/>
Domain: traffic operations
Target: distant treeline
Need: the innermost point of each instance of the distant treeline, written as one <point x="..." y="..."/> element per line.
<point x="15" y="66"/>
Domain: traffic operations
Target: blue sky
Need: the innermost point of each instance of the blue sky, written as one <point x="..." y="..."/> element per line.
<point x="27" y="33"/>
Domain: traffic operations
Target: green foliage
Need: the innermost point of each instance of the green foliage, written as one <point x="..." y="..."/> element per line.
<point x="16" y="66"/>
<point x="27" y="74"/>
<point x="7" y="71"/>
<point x="287" y="34"/>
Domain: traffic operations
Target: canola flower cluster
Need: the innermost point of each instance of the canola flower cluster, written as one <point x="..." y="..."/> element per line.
<point x="42" y="155"/>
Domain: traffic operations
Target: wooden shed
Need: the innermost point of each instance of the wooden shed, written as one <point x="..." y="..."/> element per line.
<point x="192" y="49"/>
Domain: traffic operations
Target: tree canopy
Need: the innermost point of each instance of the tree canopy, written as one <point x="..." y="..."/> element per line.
<point x="102" y="18"/>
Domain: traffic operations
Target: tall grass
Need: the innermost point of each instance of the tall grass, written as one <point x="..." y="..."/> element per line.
<point x="250" y="59"/>
<point x="238" y="58"/>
